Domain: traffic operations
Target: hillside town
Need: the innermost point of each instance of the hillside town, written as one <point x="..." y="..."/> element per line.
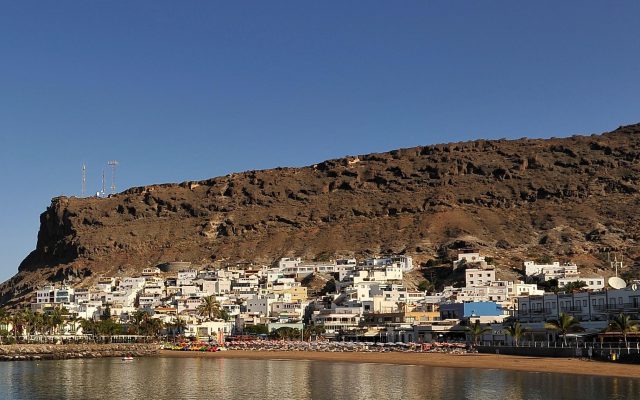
<point x="363" y="301"/>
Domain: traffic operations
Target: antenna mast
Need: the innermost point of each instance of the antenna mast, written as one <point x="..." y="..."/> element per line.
<point x="102" y="192"/>
<point x="84" y="179"/>
<point x="113" y="164"/>
<point x="615" y="263"/>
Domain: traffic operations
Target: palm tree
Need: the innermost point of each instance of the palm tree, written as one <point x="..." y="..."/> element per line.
<point x="286" y="333"/>
<point x="17" y="320"/>
<point x="137" y="319"/>
<point x="73" y="320"/>
<point x="573" y="287"/>
<point x="57" y="318"/>
<point x="477" y="330"/>
<point x="623" y="323"/>
<point x="564" y="324"/>
<point x="4" y="319"/>
<point x="177" y="326"/>
<point x="89" y="326"/>
<point x="210" y="308"/>
<point x="47" y="324"/>
<point x="516" y="331"/>
<point x="313" y="330"/>
<point x="28" y="318"/>
<point x="152" y="326"/>
<point x="38" y="324"/>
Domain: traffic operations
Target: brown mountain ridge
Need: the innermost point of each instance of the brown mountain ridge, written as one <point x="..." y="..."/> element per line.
<point x="569" y="198"/>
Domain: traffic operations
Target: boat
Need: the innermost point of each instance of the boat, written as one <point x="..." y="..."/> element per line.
<point x="127" y="358"/>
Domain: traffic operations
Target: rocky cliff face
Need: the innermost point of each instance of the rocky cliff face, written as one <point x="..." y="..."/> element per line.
<point x="572" y="197"/>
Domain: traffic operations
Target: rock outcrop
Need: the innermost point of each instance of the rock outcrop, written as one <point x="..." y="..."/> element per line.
<point x="571" y="197"/>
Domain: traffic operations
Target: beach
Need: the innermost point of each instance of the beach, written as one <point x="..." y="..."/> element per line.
<point x="473" y="360"/>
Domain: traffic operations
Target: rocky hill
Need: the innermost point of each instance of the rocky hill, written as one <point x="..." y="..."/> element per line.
<point x="570" y="198"/>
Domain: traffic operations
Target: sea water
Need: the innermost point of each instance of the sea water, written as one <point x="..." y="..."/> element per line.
<point x="217" y="378"/>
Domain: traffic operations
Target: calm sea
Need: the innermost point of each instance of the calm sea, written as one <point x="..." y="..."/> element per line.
<point x="197" y="378"/>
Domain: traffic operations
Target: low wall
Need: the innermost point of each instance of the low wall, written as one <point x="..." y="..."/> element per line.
<point x="534" y="351"/>
<point x="16" y="352"/>
<point x="630" y="355"/>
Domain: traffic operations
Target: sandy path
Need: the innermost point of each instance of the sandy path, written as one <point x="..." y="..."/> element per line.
<point x="492" y="361"/>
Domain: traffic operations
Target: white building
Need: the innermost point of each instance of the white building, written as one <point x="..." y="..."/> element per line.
<point x="468" y="258"/>
<point x="286" y="263"/>
<point x="151" y="271"/>
<point x="186" y="277"/>
<point x="389" y="273"/>
<point x="105" y="283"/>
<point x="497" y="291"/>
<point x="479" y="277"/>
<point x="585" y="306"/>
<point x="594" y="283"/>
<point x="525" y="289"/>
<point x="547" y="272"/>
<point x="402" y="261"/>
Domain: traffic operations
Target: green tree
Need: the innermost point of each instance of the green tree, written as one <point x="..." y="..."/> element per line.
<point x="516" y="331"/>
<point x="425" y="286"/>
<point x="17" y="320"/>
<point x="572" y="287"/>
<point x="4" y="319"/>
<point x="210" y="309"/>
<point x="151" y="326"/>
<point x="313" y="330"/>
<point x="57" y="319"/>
<point x="564" y="324"/>
<point x="108" y="327"/>
<point x="549" y="286"/>
<point x="89" y="327"/>
<point x="286" y="333"/>
<point x="136" y="321"/>
<point x="28" y="319"/>
<point x="476" y="330"/>
<point x="177" y="326"/>
<point x="106" y="314"/>
<point x="38" y="324"/>
<point x="256" y="329"/>
<point x="73" y="321"/>
<point x="47" y="324"/>
<point x="622" y="323"/>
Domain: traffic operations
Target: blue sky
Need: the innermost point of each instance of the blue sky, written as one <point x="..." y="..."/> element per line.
<point x="185" y="90"/>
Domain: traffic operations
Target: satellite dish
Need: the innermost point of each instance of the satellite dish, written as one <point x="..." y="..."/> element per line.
<point x="634" y="287"/>
<point x="617" y="283"/>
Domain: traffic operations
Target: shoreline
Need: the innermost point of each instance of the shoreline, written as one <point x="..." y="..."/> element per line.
<point x="474" y="360"/>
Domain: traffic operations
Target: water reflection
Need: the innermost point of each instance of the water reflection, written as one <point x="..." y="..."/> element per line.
<point x="200" y="378"/>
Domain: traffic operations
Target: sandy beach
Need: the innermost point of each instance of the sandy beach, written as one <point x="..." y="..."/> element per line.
<point x="488" y="361"/>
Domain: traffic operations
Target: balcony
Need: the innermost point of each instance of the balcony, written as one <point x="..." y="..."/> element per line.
<point x="616" y="307"/>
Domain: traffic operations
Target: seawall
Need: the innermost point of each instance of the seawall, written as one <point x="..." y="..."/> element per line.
<point x="15" y="352"/>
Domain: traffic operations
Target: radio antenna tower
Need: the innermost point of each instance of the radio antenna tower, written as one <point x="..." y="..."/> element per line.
<point x="102" y="192"/>
<point x="84" y="179"/>
<point x="615" y="263"/>
<point x="113" y="164"/>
